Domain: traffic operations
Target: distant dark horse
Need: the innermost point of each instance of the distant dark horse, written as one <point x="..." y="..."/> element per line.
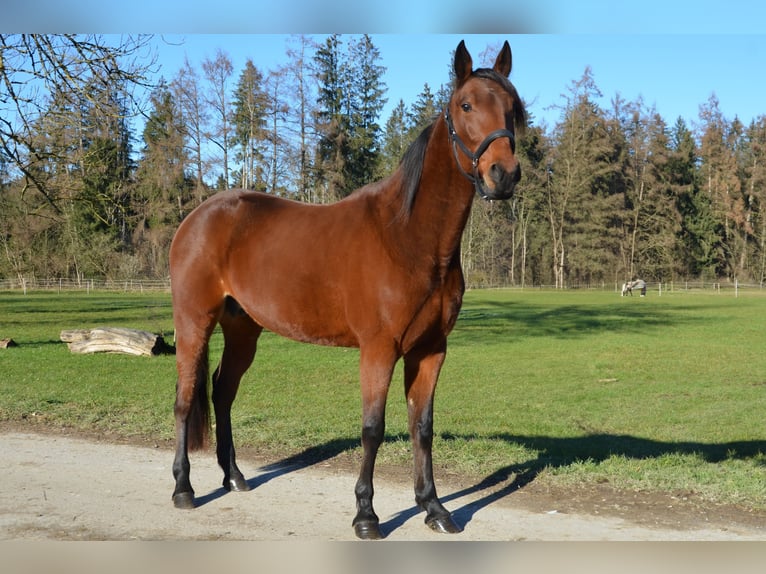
<point x="627" y="288"/>
<point x="379" y="270"/>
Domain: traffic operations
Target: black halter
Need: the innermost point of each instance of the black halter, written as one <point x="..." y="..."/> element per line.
<point x="474" y="156"/>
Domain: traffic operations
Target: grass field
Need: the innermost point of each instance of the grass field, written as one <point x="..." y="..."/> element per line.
<point x="654" y="394"/>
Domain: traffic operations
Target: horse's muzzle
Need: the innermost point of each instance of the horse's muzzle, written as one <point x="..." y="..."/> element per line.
<point x="502" y="182"/>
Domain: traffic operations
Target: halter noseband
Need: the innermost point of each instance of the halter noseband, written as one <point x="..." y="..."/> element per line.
<point x="474" y="156"/>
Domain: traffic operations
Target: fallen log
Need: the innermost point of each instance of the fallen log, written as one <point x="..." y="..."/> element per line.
<point x="7" y="343"/>
<point x="115" y="340"/>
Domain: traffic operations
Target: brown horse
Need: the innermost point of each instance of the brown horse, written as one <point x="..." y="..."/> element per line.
<point x="379" y="270"/>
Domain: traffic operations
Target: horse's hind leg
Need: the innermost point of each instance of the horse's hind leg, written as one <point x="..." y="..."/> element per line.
<point x="421" y="371"/>
<point x="240" y="338"/>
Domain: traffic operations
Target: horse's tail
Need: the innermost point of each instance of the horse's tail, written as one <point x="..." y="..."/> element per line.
<point x="198" y="421"/>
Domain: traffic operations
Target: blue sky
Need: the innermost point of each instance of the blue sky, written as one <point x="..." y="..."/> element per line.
<point x="388" y="16"/>
<point x="676" y="73"/>
<point x="674" y="54"/>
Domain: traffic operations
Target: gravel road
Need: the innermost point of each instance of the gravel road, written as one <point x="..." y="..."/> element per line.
<point x="57" y="487"/>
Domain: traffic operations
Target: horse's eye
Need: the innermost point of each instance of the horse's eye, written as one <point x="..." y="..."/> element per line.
<point x="466" y="107"/>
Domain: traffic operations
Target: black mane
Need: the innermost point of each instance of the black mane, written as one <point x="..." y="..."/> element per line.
<point x="411" y="165"/>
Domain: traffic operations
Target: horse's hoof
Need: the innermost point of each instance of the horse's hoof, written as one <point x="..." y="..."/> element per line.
<point x="236" y="484"/>
<point x="443" y="524"/>
<point x="366" y="530"/>
<point x="184" y="500"/>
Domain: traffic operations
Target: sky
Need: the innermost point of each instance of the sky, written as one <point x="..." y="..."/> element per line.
<point x="674" y="54"/>
<point x="675" y="73"/>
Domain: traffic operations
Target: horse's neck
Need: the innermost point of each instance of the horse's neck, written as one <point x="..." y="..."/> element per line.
<point x="443" y="202"/>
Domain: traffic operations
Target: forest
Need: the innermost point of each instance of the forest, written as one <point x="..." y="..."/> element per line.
<point x="101" y="158"/>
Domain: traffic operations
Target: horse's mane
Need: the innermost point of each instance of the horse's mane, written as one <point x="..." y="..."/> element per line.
<point x="411" y="163"/>
<point x="411" y="166"/>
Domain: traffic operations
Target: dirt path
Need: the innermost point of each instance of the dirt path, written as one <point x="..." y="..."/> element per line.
<point x="66" y="488"/>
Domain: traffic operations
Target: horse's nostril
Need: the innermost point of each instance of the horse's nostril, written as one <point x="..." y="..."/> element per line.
<point x="497" y="173"/>
<point x="500" y="176"/>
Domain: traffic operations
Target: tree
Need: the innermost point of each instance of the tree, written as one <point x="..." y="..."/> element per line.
<point x="300" y="89"/>
<point x="651" y="220"/>
<point x="396" y="140"/>
<point x="35" y="66"/>
<point x="698" y="241"/>
<point x="366" y="96"/>
<point x="106" y="166"/>
<point x="528" y="238"/>
<point x="719" y="139"/>
<point x="423" y="112"/>
<point x="579" y="201"/>
<point x="331" y="123"/>
<point x="249" y="123"/>
<point x="195" y="115"/>
<point x="217" y="72"/>
<point x="164" y="193"/>
<point x="754" y="164"/>
<point x="349" y="103"/>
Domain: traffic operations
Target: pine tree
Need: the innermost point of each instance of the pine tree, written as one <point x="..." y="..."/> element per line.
<point x="164" y="194"/>
<point x="331" y="122"/>
<point x="249" y="126"/>
<point x="396" y="139"/>
<point x="366" y="94"/>
<point x="349" y="102"/>
<point x="719" y="139"/>
<point x="699" y="247"/>
<point x="579" y="199"/>
<point x="753" y="159"/>
<point x="423" y="112"/>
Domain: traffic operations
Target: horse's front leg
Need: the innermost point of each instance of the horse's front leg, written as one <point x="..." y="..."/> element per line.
<point x="376" y="368"/>
<point x="421" y="372"/>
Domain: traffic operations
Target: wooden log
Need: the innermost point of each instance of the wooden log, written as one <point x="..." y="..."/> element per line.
<point x="115" y="340"/>
<point x="7" y="343"/>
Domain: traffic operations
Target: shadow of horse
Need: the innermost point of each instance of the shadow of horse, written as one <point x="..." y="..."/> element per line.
<point x="552" y="452"/>
<point x="556" y="452"/>
<point x="300" y="461"/>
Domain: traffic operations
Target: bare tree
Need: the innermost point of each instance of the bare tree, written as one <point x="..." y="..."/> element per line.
<point x="194" y="112"/>
<point x="35" y="66"/>
<point x="300" y="110"/>
<point x="217" y="72"/>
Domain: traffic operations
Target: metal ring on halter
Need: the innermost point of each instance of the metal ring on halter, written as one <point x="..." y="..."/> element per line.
<point x="474" y="156"/>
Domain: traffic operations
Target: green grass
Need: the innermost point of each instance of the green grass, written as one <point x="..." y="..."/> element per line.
<point x="658" y="393"/>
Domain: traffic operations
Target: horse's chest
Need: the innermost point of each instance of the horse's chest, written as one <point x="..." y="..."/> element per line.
<point x="436" y="317"/>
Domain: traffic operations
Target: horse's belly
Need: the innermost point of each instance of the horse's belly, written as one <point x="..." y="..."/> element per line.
<point x="317" y="336"/>
<point x="305" y="319"/>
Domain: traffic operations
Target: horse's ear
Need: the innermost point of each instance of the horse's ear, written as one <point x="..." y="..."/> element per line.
<point x="463" y="63"/>
<point x="503" y="62"/>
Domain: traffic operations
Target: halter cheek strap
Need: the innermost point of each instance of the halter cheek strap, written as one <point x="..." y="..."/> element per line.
<point x="474" y="156"/>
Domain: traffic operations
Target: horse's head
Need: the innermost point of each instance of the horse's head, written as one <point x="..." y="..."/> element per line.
<point x="482" y="116"/>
